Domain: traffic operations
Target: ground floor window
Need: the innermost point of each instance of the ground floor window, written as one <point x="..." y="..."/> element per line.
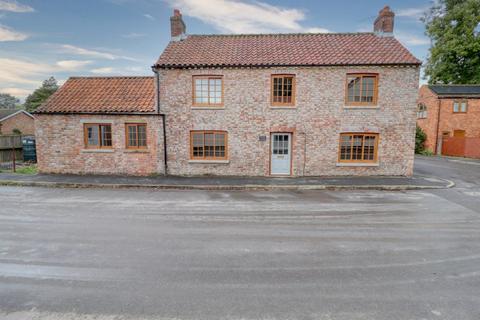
<point x="358" y="147"/>
<point x="208" y="145"/>
<point x="136" y="135"/>
<point x="97" y="135"/>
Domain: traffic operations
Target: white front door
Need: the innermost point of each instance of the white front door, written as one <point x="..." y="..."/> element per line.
<point x="281" y="150"/>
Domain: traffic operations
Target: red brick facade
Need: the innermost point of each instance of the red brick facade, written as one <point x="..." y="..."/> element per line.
<point x="446" y="122"/>
<point x="19" y="121"/>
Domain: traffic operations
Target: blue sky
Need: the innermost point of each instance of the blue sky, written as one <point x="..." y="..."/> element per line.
<point x="40" y="38"/>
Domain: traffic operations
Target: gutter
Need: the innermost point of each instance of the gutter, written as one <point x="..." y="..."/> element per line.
<point x="438" y="126"/>
<point x="165" y="162"/>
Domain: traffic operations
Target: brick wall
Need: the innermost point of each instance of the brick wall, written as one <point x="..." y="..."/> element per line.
<point x="449" y="121"/>
<point x="21" y="122"/>
<point x="429" y="124"/>
<point x="316" y="121"/>
<point x="60" y="146"/>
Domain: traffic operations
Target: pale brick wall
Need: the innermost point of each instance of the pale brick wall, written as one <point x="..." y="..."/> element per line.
<point x="316" y="122"/>
<point x="20" y="121"/>
<point x="60" y="146"/>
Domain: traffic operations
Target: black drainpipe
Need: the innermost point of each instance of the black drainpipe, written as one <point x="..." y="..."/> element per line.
<point x="157" y="77"/>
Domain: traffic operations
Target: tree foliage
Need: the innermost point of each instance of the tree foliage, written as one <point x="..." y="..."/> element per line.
<point x="454" y="28"/>
<point x="7" y="101"/>
<point x="40" y="95"/>
<point x="420" y="138"/>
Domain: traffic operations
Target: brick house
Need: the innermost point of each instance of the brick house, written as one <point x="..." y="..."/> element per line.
<point x="450" y="115"/>
<point x="256" y="105"/>
<point x="12" y="121"/>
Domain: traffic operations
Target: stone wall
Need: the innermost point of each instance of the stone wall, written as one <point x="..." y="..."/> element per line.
<point x="61" y="147"/>
<point x="316" y="121"/>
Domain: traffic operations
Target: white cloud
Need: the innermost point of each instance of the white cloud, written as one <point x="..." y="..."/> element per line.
<point x="149" y="16"/>
<point x="409" y="39"/>
<point x="105" y="70"/>
<point x="93" y="53"/>
<point x="14" y="6"/>
<point x="72" y="65"/>
<point x="414" y="13"/>
<point x="17" y="92"/>
<point x="244" y="17"/>
<point x="133" y="35"/>
<point x="317" y="30"/>
<point x="19" y="77"/>
<point x="8" y="34"/>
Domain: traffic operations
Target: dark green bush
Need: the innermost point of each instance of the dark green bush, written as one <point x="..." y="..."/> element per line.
<point x="420" y="137"/>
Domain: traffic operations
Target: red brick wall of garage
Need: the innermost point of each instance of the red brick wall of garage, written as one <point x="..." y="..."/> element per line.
<point x="316" y="122"/>
<point x="60" y="146"/>
<point x="20" y="121"/>
<point x="449" y="121"/>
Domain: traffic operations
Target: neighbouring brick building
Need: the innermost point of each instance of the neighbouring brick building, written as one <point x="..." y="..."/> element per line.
<point x="12" y="121"/>
<point x="450" y="116"/>
<point x="257" y="105"/>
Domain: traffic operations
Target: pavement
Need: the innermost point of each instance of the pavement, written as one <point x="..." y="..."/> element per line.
<point x="227" y="183"/>
<point x="112" y="254"/>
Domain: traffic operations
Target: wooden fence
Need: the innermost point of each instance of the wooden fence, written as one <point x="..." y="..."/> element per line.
<point x="461" y="147"/>
<point x="8" y="143"/>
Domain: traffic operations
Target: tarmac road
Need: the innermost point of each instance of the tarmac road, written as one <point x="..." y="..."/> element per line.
<point x="144" y="254"/>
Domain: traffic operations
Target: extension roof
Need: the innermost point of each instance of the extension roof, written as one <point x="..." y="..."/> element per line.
<point x="103" y="95"/>
<point x="8" y="113"/>
<point x="265" y="50"/>
<point x="451" y="90"/>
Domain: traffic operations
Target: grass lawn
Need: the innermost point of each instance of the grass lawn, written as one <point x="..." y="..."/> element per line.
<point x="31" y="169"/>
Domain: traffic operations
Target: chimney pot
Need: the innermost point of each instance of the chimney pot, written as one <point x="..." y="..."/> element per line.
<point x="178" y="28"/>
<point x="384" y="22"/>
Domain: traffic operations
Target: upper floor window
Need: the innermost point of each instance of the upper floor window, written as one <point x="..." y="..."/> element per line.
<point x="460" y="106"/>
<point x="208" y="145"/>
<point x="136" y="135"/>
<point x="207" y="91"/>
<point x="422" y="111"/>
<point x="97" y="135"/>
<point x="358" y="147"/>
<point x="362" y="90"/>
<point x="283" y="90"/>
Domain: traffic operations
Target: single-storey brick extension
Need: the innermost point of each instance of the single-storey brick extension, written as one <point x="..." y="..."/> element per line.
<point x="256" y="105"/>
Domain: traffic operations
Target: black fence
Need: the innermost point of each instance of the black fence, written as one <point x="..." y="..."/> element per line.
<point x="16" y="150"/>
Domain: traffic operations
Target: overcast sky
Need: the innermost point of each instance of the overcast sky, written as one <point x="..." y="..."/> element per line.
<point x="41" y="38"/>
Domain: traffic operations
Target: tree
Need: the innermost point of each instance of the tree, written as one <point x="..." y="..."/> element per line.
<point x="7" y="101"/>
<point x="454" y="28"/>
<point x="420" y="137"/>
<point x="40" y="95"/>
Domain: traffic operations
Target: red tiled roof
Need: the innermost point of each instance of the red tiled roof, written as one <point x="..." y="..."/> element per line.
<point x="103" y="95"/>
<point x="285" y="50"/>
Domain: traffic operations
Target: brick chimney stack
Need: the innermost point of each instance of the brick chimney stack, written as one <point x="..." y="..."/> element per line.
<point x="384" y="23"/>
<point x="177" y="26"/>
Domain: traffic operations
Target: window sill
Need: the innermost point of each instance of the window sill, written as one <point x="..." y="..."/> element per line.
<point x="208" y="108"/>
<point x="356" y="164"/>
<point x="361" y="107"/>
<point x="97" y="151"/>
<point x="284" y="107"/>
<point x="136" y="151"/>
<point x="210" y="161"/>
